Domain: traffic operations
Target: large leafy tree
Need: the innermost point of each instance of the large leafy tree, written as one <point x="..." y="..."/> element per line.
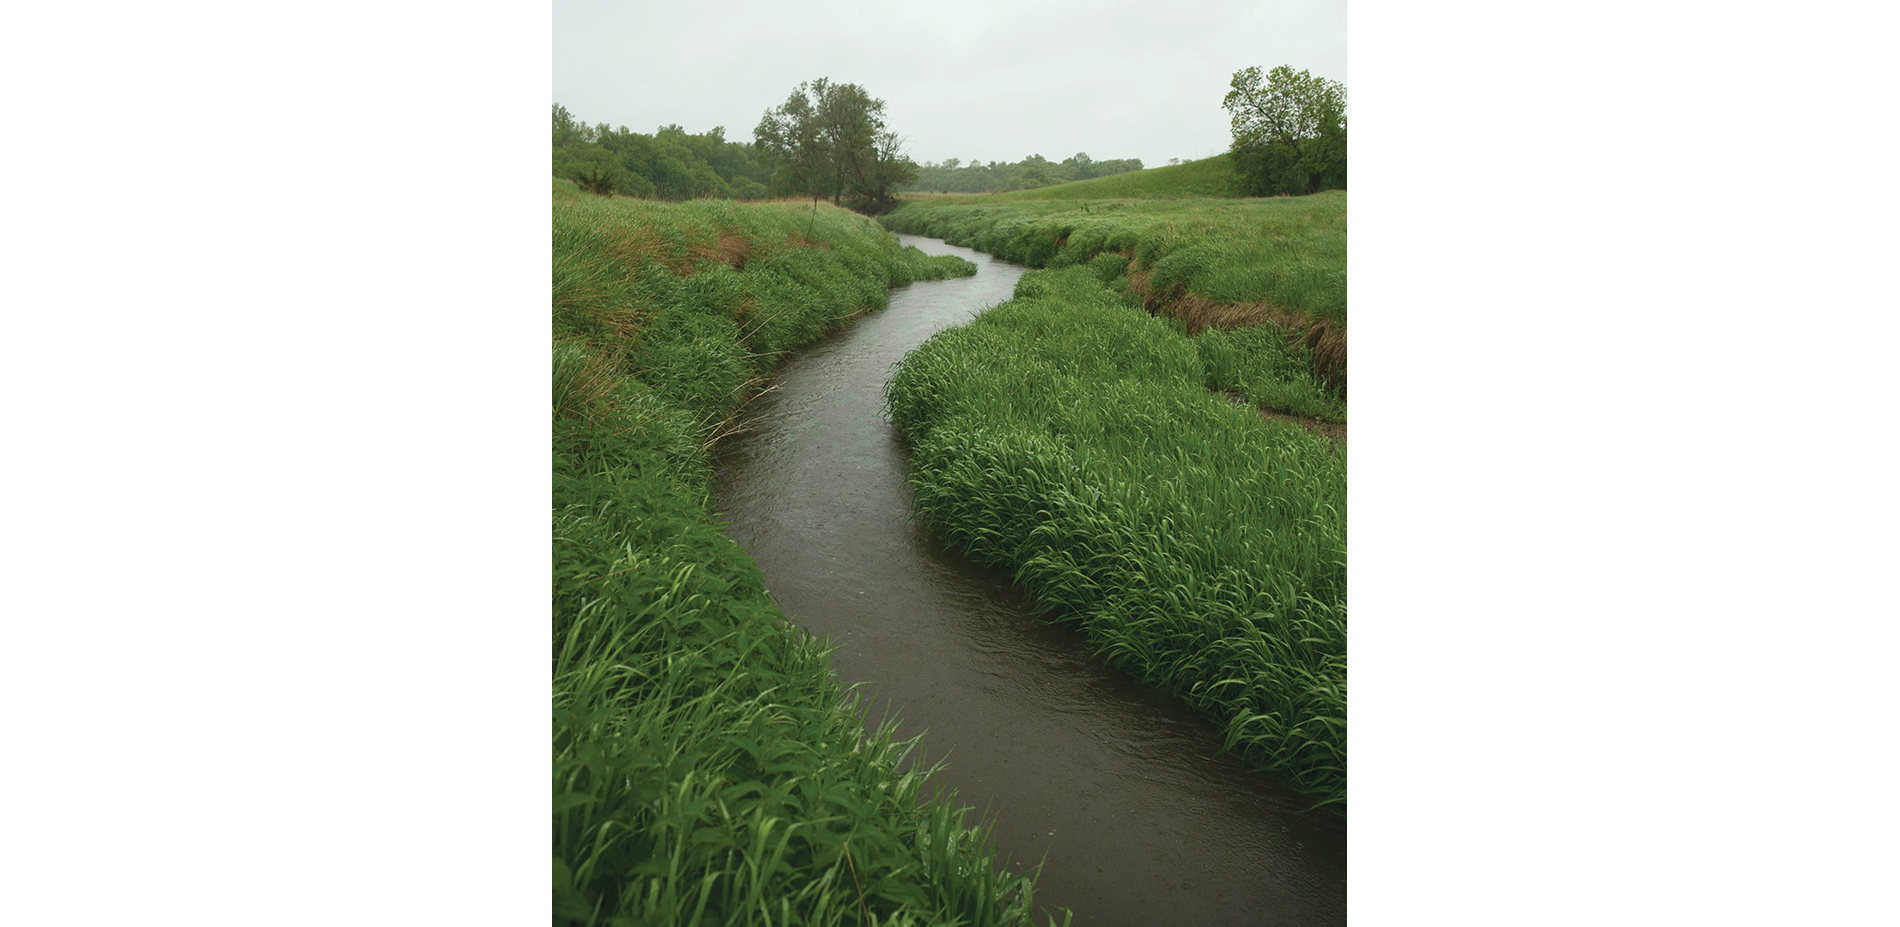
<point x="567" y="132"/>
<point x="1289" y="131"/>
<point x="830" y="139"/>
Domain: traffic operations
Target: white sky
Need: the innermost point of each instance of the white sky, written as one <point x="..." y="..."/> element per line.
<point x="978" y="79"/>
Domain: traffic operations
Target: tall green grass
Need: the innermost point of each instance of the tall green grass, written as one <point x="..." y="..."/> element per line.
<point x="1071" y="438"/>
<point x="1260" y="364"/>
<point x="1289" y="252"/>
<point x="700" y="299"/>
<point x="1277" y="264"/>
<point x="708" y="768"/>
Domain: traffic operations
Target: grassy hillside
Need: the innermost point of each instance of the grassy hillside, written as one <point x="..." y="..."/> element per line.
<point x="707" y="766"/>
<point x="1208" y="177"/>
<point x="1071" y="438"/>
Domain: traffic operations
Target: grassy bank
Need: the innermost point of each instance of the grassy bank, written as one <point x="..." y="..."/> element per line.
<point x="708" y="768"/>
<point x="1288" y="251"/>
<point x="1072" y="438"/>
<point x="1212" y="263"/>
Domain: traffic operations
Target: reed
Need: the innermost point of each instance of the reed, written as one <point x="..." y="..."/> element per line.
<point x="1071" y="438"/>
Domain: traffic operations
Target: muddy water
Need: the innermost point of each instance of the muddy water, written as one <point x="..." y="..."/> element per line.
<point x="1121" y="791"/>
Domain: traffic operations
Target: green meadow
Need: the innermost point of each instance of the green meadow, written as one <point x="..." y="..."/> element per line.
<point x="708" y="767"/>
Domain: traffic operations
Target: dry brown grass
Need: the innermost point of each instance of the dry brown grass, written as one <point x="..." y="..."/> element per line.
<point x="799" y="240"/>
<point x="584" y="388"/>
<point x="730" y="250"/>
<point x="638" y="248"/>
<point x="1326" y="338"/>
<point x="583" y="292"/>
<point x="634" y="247"/>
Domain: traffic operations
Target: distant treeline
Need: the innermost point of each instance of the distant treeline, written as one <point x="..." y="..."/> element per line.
<point x="954" y="176"/>
<point x="670" y="164"/>
<point x="673" y="164"/>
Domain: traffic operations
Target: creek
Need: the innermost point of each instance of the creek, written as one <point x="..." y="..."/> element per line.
<point x="1120" y="791"/>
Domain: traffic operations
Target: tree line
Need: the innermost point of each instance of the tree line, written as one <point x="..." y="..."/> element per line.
<point x="828" y="140"/>
<point x="670" y="164"/>
<point x="955" y="176"/>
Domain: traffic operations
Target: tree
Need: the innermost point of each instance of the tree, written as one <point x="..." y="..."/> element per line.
<point x="1036" y="172"/>
<point x="788" y="137"/>
<point x="596" y="170"/>
<point x="1289" y="131"/>
<point x="566" y="131"/>
<point x="1080" y="166"/>
<point x="830" y="139"/>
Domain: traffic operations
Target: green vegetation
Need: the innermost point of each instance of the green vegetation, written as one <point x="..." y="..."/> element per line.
<point x="1260" y="364"/>
<point x="1033" y="172"/>
<point x="1207" y="178"/>
<point x="708" y="768"/>
<point x="830" y="139"/>
<point x="1212" y="263"/>
<point x="670" y="164"/>
<point x="1289" y="252"/>
<point x="1289" y="131"/>
<point x="1071" y="438"/>
<point x="1090" y="447"/>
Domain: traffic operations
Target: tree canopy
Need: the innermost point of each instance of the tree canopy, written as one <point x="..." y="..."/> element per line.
<point x="830" y="139"/>
<point x="670" y="164"/>
<point x="1289" y="131"/>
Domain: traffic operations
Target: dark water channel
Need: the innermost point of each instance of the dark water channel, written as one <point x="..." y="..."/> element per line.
<point x="1122" y="790"/>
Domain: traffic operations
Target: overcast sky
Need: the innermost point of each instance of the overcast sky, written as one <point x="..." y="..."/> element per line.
<point x="968" y="79"/>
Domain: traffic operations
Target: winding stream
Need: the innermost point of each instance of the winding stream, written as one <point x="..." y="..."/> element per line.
<point x="1121" y="791"/>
